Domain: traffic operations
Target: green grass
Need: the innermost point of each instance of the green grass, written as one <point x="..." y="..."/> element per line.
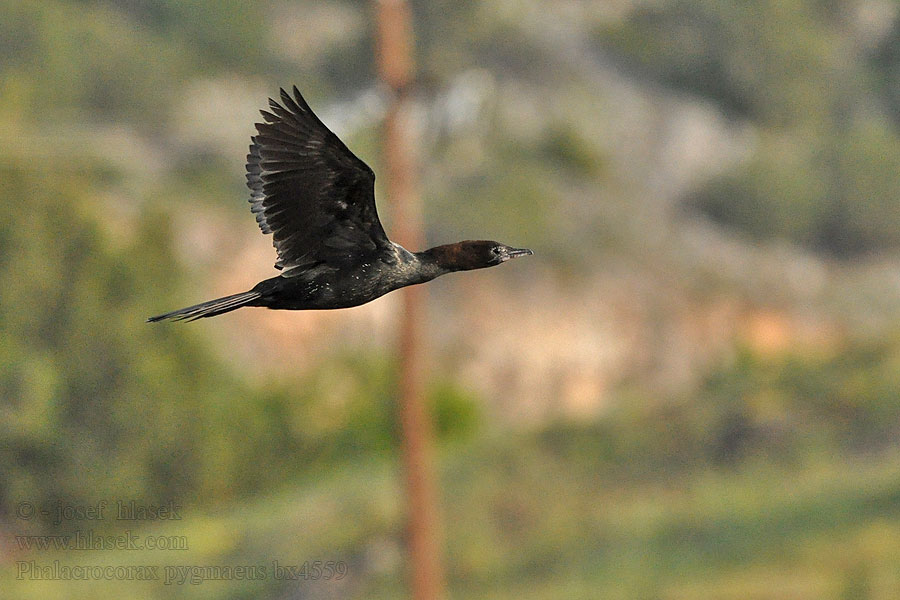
<point x="523" y="521"/>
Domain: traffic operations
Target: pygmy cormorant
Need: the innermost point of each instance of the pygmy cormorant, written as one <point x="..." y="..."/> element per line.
<point x="318" y="200"/>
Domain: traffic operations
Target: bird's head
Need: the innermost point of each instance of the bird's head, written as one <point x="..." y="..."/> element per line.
<point x="475" y="254"/>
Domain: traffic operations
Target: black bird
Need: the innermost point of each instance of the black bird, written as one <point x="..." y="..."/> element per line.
<point x="318" y="200"/>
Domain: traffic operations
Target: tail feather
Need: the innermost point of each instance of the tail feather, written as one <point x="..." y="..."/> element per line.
<point x="208" y="309"/>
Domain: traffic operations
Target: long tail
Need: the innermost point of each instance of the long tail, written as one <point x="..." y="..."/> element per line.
<point x="209" y="309"/>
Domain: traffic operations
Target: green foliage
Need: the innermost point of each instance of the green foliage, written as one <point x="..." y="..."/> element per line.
<point x="825" y="171"/>
<point x="102" y="60"/>
<point x="345" y="411"/>
<point x="454" y="410"/>
<point x="885" y="62"/>
<point x="779" y="410"/>
<point x="222" y="34"/>
<point x="94" y="400"/>
<point x="760" y="59"/>
<point x="92" y="63"/>
<point x="846" y="400"/>
<point x="743" y="488"/>
<point x="98" y="404"/>
<point x="565" y="147"/>
<point x="836" y="196"/>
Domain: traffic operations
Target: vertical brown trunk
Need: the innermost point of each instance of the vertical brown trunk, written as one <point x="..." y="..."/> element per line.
<point x="423" y="533"/>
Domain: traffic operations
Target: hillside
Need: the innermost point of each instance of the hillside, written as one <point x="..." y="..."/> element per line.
<point x="699" y="367"/>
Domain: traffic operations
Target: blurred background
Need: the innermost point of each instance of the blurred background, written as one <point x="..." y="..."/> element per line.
<point x="692" y="391"/>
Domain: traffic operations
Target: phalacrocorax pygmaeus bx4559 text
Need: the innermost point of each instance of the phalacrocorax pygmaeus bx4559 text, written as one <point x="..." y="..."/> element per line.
<point x="318" y="200"/>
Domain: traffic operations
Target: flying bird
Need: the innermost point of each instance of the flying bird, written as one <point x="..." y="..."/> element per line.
<point x="317" y="199"/>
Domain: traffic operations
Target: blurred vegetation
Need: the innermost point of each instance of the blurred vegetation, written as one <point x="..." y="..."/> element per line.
<point x="96" y="403"/>
<point x="651" y="501"/>
<point x="778" y="409"/>
<point x="826" y="166"/>
<point x="744" y="485"/>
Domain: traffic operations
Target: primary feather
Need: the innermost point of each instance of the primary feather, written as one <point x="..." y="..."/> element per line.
<point x="310" y="191"/>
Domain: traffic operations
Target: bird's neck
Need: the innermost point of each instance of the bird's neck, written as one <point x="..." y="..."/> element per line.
<point x="444" y="259"/>
<point x="428" y="265"/>
<point x="420" y="267"/>
<point x="413" y="267"/>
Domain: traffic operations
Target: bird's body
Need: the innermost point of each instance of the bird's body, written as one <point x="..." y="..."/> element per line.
<point x="318" y="200"/>
<point x="321" y="287"/>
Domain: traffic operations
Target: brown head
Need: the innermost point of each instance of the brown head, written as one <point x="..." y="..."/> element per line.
<point x="472" y="254"/>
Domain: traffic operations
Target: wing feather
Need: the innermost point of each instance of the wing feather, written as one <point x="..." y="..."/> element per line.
<point x="309" y="190"/>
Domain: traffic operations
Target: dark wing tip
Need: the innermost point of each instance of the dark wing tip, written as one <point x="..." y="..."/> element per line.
<point x="301" y="101"/>
<point x="289" y="103"/>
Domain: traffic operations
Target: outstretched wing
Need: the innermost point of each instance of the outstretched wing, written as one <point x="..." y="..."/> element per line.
<point x="308" y="190"/>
